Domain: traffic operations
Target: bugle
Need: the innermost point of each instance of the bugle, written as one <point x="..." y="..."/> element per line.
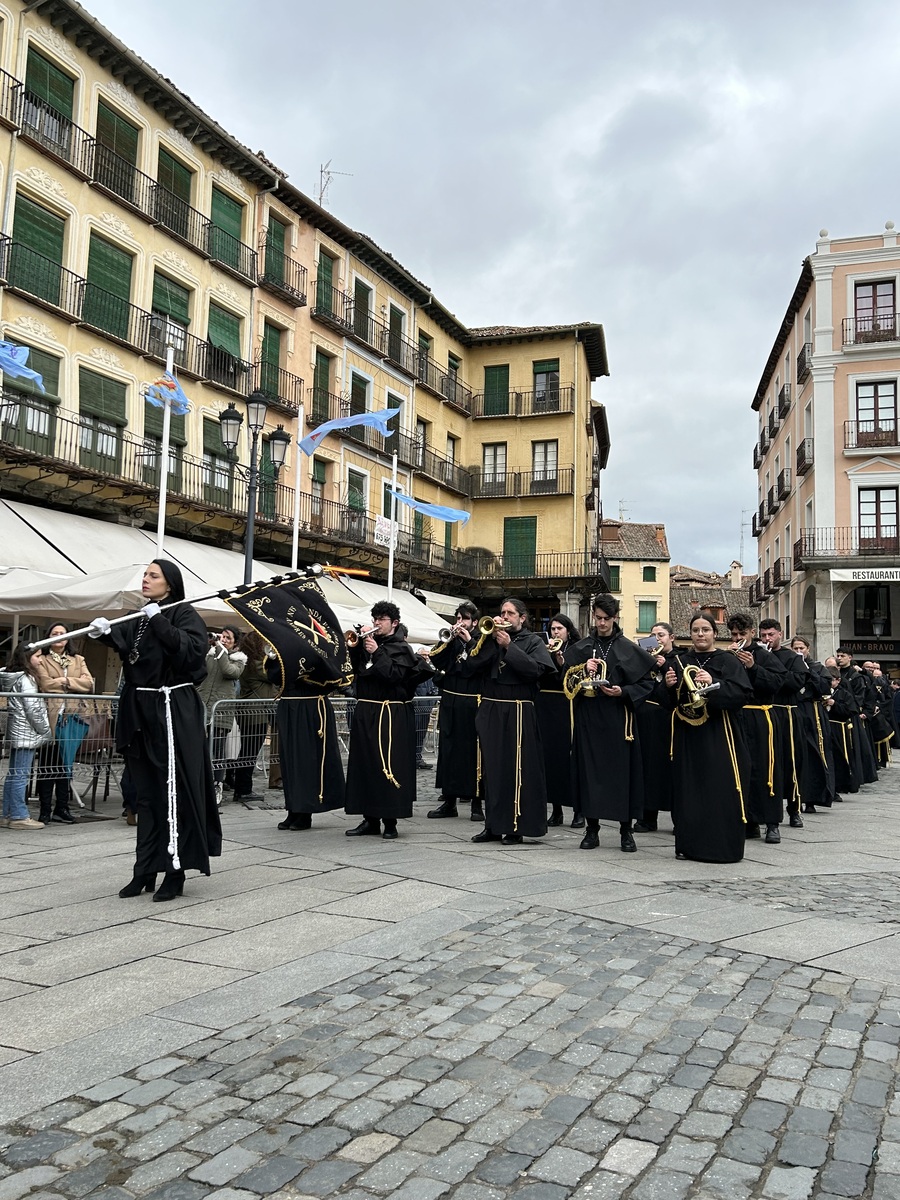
<point x="692" y="707"/>
<point x="554" y="645"/>
<point x="355" y="635"/>
<point x="486" y="627"/>
<point x="577" y="679"/>
<point x="444" y="636"/>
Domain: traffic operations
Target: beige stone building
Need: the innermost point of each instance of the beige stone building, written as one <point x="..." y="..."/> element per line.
<point x="638" y="561"/>
<point x="132" y="222"/>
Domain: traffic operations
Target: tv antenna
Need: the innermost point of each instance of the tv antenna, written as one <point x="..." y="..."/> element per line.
<point x="623" y="509"/>
<point x="325" y="177"/>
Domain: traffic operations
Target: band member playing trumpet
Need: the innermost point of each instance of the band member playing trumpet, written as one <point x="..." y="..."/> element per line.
<point x="457" y="763"/>
<point x="814" y="701"/>
<point x="710" y="766"/>
<point x="554" y="717"/>
<point x="381" y="764"/>
<point x="654" y="728"/>
<point x="785" y="711"/>
<point x="510" y="662"/>
<point x="608" y="779"/>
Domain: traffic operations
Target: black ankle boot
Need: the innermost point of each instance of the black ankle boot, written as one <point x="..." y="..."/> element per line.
<point x="591" y="839"/>
<point x="140" y="883"/>
<point x="62" y="816"/>
<point x="365" y="826"/>
<point x="171" y="886"/>
<point x="477" y="813"/>
<point x="46" y="815"/>
<point x="556" y="816"/>
<point x="446" y="808"/>
<point x="626" y="838"/>
<point x="295" y="820"/>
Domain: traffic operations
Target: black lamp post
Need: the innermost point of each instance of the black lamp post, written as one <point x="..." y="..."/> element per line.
<point x="231" y="421"/>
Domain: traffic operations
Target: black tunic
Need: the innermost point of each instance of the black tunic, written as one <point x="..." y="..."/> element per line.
<point x="308" y="747"/>
<point x="764" y="729"/>
<point x="654" y="725"/>
<point x="710" y="767"/>
<point x="171" y="653"/>
<point x="457" y="762"/>
<point x="606" y="751"/>
<point x="862" y="727"/>
<point x="785" y="704"/>
<point x="843" y="720"/>
<point x="512" y="759"/>
<point x="554" y="718"/>
<point x="817" y="761"/>
<point x="381" y="765"/>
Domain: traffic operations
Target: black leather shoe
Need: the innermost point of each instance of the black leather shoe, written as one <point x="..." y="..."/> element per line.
<point x="796" y="821"/>
<point x="422" y="765"/>
<point x="447" y="808"/>
<point x="477" y="813"/>
<point x="140" y="883"/>
<point x="296" y="821"/>
<point x="511" y="839"/>
<point x="372" y="828"/>
<point x="773" y="836"/>
<point x="839" y="799"/>
<point x="390" y="832"/>
<point x="809" y="808"/>
<point x="678" y="854"/>
<point x="751" y="831"/>
<point x="171" y="886"/>
<point x="63" y="817"/>
<point x="486" y="836"/>
<point x="556" y="817"/>
<point x="628" y="843"/>
<point x="577" y="822"/>
<point x="591" y="840"/>
<point x="644" y="827"/>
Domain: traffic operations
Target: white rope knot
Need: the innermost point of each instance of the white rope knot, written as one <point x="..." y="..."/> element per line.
<point x="171" y="786"/>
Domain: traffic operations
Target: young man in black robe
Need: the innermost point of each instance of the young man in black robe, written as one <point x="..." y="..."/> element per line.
<point x="381" y="763"/>
<point x="817" y="783"/>
<point x="510" y="663"/>
<point x="858" y="682"/>
<point x="457" y="763"/>
<point x="606" y="752"/>
<point x="785" y="711"/>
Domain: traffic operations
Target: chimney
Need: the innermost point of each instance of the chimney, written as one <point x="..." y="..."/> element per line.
<point x="609" y="531"/>
<point x="661" y="534"/>
<point x="736" y="576"/>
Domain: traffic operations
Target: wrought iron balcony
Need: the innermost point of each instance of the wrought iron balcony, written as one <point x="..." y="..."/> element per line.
<point x="425" y="461"/>
<point x="763" y="512"/>
<point x="332" y="307"/>
<point x="815" y="545"/>
<point x="768" y="582"/>
<point x="10" y="100"/>
<point x="231" y="253"/>
<point x="226" y="370"/>
<point x="773" y="502"/>
<point x="112" y="315"/>
<point x="279" y="387"/>
<point x="158" y="332"/>
<point x="321" y="406"/>
<point x="537" y="403"/>
<point x="805" y="456"/>
<point x="41" y="278"/>
<point x="783" y="484"/>
<point x="362" y="434"/>
<point x="54" y="133"/>
<point x="755" y="527"/>
<point x="804" y="362"/>
<point x="281" y="274"/>
<point x="764" y="442"/>
<point x="875" y="327"/>
<point x="772" y="426"/>
<point x="781" y="572"/>
<point x="871" y="435"/>
<point x="511" y="484"/>
<point x="757" y="457"/>
<point x="784" y="401"/>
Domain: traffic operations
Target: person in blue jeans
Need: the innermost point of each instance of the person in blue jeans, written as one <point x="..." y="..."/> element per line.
<point x="27" y="728"/>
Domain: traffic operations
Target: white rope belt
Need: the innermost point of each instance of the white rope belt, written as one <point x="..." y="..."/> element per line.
<point x="172" y="793"/>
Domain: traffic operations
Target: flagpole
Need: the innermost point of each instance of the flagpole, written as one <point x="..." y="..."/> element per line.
<point x="295" y="538"/>
<point x="164" y="458"/>
<point x="393" y="526"/>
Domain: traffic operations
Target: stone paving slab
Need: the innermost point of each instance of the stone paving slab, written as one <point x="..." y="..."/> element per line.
<point x="277" y="942"/>
<point x="813" y="937"/>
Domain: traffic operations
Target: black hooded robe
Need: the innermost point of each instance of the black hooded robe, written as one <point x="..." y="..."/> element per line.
<point x="457" y="762"/>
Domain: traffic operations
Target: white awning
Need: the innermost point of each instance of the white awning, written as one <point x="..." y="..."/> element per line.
<point x="21" y="545"/>
<point x="439" y="603"/>
<point x="422" y="623"/>
<point x="83" y="544"/>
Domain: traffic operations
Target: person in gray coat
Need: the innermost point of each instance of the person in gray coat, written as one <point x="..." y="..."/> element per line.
<point x="27" y="728"/>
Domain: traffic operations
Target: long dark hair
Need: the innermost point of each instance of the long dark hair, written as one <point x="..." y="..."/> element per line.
<point x="67" y="649"/>
<point x="20" y="659"/>
<point x="567" y="623"/>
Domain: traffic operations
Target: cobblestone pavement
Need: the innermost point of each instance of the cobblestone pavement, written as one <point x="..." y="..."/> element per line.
<point x="540" y="1048"/>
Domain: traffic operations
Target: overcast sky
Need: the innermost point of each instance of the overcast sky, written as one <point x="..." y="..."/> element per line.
<point x="661" y="168"/>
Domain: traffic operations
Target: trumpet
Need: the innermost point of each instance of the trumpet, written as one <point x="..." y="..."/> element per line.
<point x="576" y="680"/>
<point x="486" y="627"/>
<point x="742" y="645"/>
<point x="353" y="636"/>
<point x="444" y="637"/>
<point x="554" y="645"/>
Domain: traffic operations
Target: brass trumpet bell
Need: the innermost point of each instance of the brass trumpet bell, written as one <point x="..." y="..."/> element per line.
<point x="577" y="679"/>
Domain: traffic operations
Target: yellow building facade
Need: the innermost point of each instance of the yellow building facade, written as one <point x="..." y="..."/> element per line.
<point x="132" y="223"/>
<point x="638" y="563"/>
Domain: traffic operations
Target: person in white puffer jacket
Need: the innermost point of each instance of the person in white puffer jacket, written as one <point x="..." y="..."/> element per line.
<point x="27" y="728"/>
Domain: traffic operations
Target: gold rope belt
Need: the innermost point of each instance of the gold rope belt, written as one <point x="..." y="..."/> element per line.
<point x="819" y="737"/>
<point x="790" y="709"/>
<point x="386" y="763"/>
<point x="846" y="728"/>
<point x="767" y="709"/>
<point x="732" y="755"/>
<point x="321" y="732"/>
<point x="464" y="695"/>
<point x="517" y="800"/>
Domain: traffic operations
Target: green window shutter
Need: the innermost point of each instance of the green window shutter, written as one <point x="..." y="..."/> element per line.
<point x="117" y="134"/>
<point x="153" y="425"/>
<point x="212" y="438"/>
<point x="322" y="372"/>
<point x="418" y="527"/>
<point x="496" y="390"/>
<point x="386" y="499"/>
<point x="49" y="84"/>
<point x="359" y="391"/>
<point x="646" y="615"/>
<point x="318" y="470"/>
<point x="362" y="296"/>
<point x="47" y="366"/>
<point x="271" y="345"/>
<point x="326" y="269"/>
<point x="649" y="574"/>
<point x="224" y="330"/>
<point x="39" y="230"/>
<point x="547" y="366"/>
<point x="615" y="580"/>
<point x="448" y="538"/>
<point x="171" y="298"/>
<point x="276" y="236"/>
<point x="226" y="214"/>
<point x="174" y="176"/>
<point x="99" y="396"/>
<point x="519" y="545"/>
<point x="356" y="491"/>
<point x="109" y="268"/>
<point x="395" y="321"/>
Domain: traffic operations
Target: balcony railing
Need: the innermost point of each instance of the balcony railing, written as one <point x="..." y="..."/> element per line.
<point x="278" y="386"/>
<point x="804" y="362"/>
<point x="332" y="307"/>
<point x="54" y="133"/>
<point x="763" y="514"/>
<point x="757" y="457"/>
<point x="805" y="456"/>
<point x="772" y="426"/>
<point x="784" y="401"/>
<point x="511" y="484"/>
<point x="876" y="327"/>
<point x="227" y="370"/>
<point x="110" y="314"/>
<point x="783" y="484"/>
<point x="768" y="585"/>
<point x="361" y="434"/>
<point x="541" y="402"/>
<point x="847" y="542"/>
<point x="755" y="527"/>
<point x="764" y="442"/>
<point x="10" y="99"/>
<point x="41" y="278"/>
<point x="412" y="453"/>
<point x="321" y="406"/>
<point x="781" y="572"/>
<point x="773" y="501"/>
<point x="871" y="435"/>
<point x="158" y="332"/>
<point x="231" y="253"/>
<point x="281" y="274"/>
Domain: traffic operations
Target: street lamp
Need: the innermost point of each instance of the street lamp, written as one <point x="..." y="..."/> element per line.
<point x="231" y="421"/>
<point x="878" y="626"/>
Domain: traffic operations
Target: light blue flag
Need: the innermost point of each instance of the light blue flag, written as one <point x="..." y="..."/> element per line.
<point x="374" y="420"/>
<point x="167" y="390"/>
<point x="12" y="362"/>
<point x="439" y="511"/>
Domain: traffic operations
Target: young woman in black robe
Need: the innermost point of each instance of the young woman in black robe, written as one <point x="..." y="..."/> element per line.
<point x="511" y="662"/>
<point x="554" y="716"/>
<point x="606" y="752"/>
<point x="710" y="763"/>
<point x="653" y="722"/>
<point x="161" y="732"/>
<point x="381" y="765"/>
<point x="457" y="764"/>
<point x="817" y="763"/>
<point x="843" y="721"/>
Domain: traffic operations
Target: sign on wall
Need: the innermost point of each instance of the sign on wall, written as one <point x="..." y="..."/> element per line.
<point x="865" y="575"/>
